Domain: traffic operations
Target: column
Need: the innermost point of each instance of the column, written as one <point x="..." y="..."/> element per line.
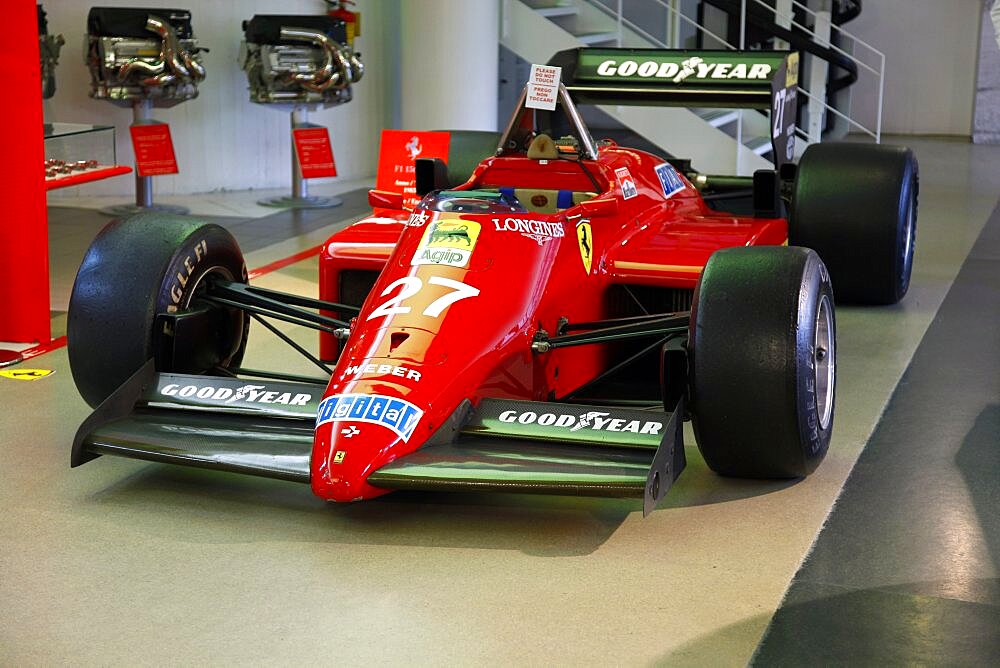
<point x="449" y="53"/>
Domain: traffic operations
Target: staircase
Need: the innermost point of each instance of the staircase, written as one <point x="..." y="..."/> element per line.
<point x="717" y="140"/>
<point x="675" y="131"/>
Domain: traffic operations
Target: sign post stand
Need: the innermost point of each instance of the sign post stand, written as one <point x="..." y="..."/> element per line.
<point x="142" y="117"/>
<point x="300" y="197"/>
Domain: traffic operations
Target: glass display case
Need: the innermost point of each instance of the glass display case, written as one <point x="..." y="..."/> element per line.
<point x="76" y="153"/>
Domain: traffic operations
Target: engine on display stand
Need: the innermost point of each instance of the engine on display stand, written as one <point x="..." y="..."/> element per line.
<point x="143" y="58"/>
<point x="299" y="64"/>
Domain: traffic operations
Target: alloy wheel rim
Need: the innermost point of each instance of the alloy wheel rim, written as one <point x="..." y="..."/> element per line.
<point x="824" y="362"/>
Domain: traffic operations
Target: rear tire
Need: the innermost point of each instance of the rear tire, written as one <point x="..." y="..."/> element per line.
<point x="135" y="270"/>
<point x="763" y="362"/>
<point x="856" y="205"/>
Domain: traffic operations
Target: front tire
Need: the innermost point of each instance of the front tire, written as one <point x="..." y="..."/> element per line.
<point x="135" y="270"/>
<point x="856" y="205"/>
<point x="762" y="346"/>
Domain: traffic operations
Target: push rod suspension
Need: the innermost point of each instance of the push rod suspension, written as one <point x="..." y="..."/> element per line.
<point x="276" y="304"/>
<point x="672" y="324"/>
<point x="615" y="322"/>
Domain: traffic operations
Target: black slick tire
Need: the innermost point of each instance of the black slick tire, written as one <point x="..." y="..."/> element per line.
<point x="856" y="205"/>
<point x="762" y="366"/>
<point x="136" y="269"/>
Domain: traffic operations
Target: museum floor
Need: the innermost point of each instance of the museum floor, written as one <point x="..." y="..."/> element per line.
<point x="888" y="554"/>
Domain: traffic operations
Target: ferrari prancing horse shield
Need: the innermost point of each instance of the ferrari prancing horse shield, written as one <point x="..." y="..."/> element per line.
<point x="586" y="244"/>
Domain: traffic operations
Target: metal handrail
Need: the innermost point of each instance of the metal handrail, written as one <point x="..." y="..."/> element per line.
<point x="831" y="46"/>
<point x="847" y="118"/>
<point x="879" y="73"/>
<point x="619" y="17"/>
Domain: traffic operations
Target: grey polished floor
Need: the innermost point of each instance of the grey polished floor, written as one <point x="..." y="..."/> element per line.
<point x="906" y="568"/>
<point x="121" y="562"/>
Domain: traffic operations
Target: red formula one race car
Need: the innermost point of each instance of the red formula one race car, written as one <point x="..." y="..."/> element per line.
<point x="543" y="324"/>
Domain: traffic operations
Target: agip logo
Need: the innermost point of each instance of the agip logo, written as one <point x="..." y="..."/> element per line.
<point x="449" y="242"/>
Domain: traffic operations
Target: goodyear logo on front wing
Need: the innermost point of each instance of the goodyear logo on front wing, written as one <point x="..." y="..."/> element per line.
<point x="447" y="241"/>
<point x="398" y="415"/>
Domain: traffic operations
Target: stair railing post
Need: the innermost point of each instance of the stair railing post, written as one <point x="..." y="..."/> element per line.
<point x="881" y="91"/>
<point x="783" y="18"/>
<point x="743" y="24"/>
<point x="619" y="17"/>
<point x="819" y="70"/>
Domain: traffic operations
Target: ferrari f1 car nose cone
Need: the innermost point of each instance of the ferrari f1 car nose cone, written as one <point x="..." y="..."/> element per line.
<point x="355" y="434"/>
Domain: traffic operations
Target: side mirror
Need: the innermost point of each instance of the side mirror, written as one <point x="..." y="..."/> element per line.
<point x="385" y="199"/>
<point x="602" y="206"/>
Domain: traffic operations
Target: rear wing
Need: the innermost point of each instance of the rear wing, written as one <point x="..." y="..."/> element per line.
<point x="683" y="78"/>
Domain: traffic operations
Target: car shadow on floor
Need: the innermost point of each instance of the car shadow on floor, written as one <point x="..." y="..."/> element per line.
<point x="227" y="507"/>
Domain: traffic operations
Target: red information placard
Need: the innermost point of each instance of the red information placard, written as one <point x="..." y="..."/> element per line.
<point x="154" y="150"/>
<point x="397" y="153"/>
<point x="312" y="146"/>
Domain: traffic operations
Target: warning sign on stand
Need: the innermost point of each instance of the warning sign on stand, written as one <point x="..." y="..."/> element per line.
<point x="543" y="87"/>
<point x="312" y="147"/>
<point x="154" y="150"/>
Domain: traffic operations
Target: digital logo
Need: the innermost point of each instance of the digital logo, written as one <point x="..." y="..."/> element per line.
<point x="397" y="415"/>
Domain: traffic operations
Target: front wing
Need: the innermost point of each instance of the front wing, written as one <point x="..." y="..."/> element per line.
<point x="266" y="429"/>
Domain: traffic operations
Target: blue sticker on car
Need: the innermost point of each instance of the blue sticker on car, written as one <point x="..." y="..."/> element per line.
<point x="396" y="414"/>
<point x="670" y="180"/>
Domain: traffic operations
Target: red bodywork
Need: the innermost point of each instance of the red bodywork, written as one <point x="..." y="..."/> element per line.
<point x="435" y="334"/>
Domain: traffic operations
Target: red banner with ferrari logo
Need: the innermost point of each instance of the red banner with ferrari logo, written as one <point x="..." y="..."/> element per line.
<point x="397" y="155"/>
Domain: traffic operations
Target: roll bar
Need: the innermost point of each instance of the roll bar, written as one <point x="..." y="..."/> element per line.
<point x="588" y="145"/>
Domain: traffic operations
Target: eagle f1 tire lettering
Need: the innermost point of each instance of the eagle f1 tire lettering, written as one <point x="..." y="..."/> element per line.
<point x="136" y="270"/>
<point x="188" y="267"/>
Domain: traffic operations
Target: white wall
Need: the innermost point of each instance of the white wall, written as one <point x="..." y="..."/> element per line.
<point x="931" y="51"/>
<point x="449" y="52"/>
<point x="223" y="141"/>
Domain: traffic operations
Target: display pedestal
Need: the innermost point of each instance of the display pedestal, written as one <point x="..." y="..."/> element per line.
<point x="142" y="114"/>
<point x="300" y="197"/>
